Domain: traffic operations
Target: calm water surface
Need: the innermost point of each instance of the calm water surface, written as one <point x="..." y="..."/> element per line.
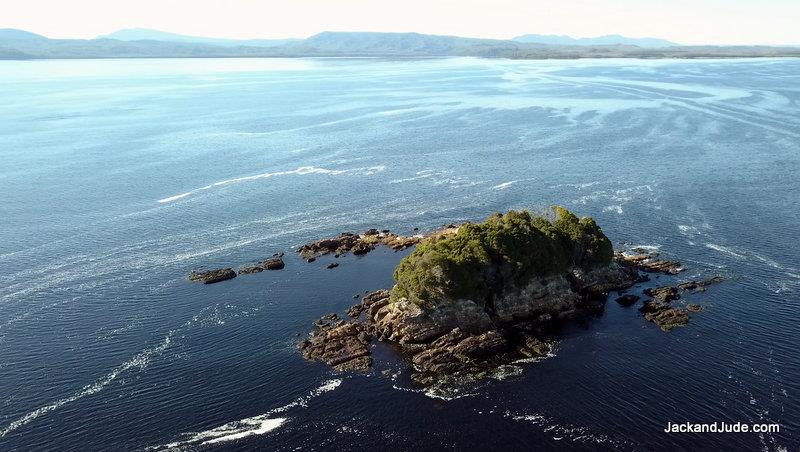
<point x="119" y="177"/>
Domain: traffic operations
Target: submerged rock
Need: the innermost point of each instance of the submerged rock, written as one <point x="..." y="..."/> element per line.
<point x="664" y="294"/>
<point x="694" y="307"/>
<point x="700" y="286"/>
<point x="627" y="300"/>
<point x="212" y="276"/>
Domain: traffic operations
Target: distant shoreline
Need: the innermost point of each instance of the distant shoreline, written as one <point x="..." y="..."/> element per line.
<point x="22" y="45"/>
<point x="407" y="58"/>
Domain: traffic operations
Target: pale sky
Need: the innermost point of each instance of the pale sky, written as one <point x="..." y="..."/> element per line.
<point x="682" y="21"/>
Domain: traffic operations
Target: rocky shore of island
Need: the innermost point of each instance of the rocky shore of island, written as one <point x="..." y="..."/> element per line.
<point x="483" y="295"/>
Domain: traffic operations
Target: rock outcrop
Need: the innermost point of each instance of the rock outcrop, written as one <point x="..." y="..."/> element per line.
<point x="340" y="344"/>
<point x="212" y="276"/>
<point x="273" y="263"/>
<point x="664" y="315"/>
<point x="651" y="263"/>
<point x="347" y="242"/>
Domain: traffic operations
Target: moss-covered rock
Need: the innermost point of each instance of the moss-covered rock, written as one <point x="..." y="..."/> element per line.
<point x="481" y="260"/>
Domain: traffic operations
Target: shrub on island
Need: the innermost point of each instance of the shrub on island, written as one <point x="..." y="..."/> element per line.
<point x="506" y="250"/>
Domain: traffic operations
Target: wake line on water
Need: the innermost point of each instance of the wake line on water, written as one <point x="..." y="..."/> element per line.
<point x="573" y="433"/>
<point x="301" y="171"/>
<point x="140" y="361"/>
<point x="504" y="185"/>
<point x="255" y="425"/>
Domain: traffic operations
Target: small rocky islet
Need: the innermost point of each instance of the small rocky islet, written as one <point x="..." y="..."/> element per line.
<point x="474" y="297"/>
<point x="223" y="274"/>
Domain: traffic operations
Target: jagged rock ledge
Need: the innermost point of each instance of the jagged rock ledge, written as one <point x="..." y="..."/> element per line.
<point x="659" y="309"/>
<point x="344" y="243"/>
<point x="360" y="244"/>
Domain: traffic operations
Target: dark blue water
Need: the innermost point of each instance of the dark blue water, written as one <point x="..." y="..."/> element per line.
<point x="119" y="177"/>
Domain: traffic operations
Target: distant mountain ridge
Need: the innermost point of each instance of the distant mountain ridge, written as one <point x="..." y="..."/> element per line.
<point x="564" y="40"/>
<point x="401" y="43"/>
<point x="13" y="34"/>
<point x="149" y="34"/>
<point x="146" y="43"/>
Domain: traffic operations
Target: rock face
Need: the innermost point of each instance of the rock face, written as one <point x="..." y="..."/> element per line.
<point x="435" y="349"/>
<point x="651" y="263"/>
<point x="342" y="345"/>
<point x="212" y="276"/>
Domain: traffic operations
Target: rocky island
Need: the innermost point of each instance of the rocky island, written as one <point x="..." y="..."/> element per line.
<point x="476" y="296"/>
<point x="483" y="295"/>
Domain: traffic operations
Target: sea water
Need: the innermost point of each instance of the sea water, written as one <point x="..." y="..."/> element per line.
<point x="119" y="177"/>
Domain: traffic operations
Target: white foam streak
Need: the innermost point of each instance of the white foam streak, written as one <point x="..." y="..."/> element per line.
<point x="301" y="171"/>
<point x="504" y="185"/>
<point x="139" y="361"/>
<point x="725" y="250"/>
<point x="174" y="198"/>
<point x="615" y="208"/>
<point x="255" y="425"/>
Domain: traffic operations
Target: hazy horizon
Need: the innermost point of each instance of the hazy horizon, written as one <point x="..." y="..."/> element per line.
<point x="713" y="22"/>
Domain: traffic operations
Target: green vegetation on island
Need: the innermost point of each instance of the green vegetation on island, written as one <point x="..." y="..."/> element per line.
<point x="480" y="260"/>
